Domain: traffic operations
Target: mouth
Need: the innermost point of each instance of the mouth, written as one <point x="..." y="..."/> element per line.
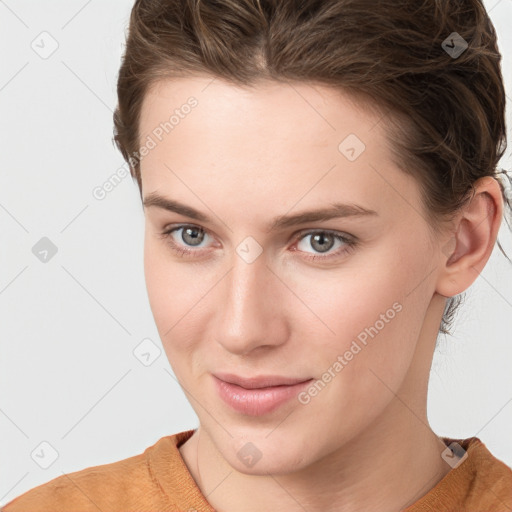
<point x="260" y="382"/>
<point x="258" y="396"/>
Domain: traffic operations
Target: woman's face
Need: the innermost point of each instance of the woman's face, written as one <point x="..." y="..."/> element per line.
<point x="249" y="300"/>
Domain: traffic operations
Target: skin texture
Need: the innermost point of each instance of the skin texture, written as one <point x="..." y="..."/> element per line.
<point x="243" y="157"/>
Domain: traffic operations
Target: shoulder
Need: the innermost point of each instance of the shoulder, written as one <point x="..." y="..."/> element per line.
<point x="119" y="485"/>
<point x="493" y="478"/>
<point x="485" y="480"/>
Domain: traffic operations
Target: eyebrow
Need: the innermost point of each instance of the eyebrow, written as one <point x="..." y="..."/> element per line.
<point x="336" y="210"/>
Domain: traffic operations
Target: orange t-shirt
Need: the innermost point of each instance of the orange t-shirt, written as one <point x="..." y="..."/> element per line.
<point x="159" y="480"/>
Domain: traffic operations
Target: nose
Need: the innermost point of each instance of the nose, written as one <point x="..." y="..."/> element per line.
<point x="250" y="308"/>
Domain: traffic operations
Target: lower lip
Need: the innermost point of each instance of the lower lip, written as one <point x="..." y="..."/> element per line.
<point x="256" y="402"/>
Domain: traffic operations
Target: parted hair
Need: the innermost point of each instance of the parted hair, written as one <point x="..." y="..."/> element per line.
<point x="430" y="69"/>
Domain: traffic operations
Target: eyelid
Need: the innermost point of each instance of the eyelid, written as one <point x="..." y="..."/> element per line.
<point x="333" y="232"/>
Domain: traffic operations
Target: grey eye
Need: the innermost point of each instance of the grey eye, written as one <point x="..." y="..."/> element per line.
<point x="191" y="236"/>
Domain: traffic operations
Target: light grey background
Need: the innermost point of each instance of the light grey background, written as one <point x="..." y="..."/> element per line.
<point x="68" y="328"/>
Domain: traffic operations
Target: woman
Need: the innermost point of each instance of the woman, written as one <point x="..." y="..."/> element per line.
<point x="320" y="184"/>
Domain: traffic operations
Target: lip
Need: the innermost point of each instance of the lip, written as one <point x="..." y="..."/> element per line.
<point x="258" y="400"/>
<point x="262" y="381"/>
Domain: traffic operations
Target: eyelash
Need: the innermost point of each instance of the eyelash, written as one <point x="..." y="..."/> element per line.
<point x="350" y="242"/>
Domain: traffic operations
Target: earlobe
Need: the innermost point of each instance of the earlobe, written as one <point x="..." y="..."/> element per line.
<point x="464" y="255"/>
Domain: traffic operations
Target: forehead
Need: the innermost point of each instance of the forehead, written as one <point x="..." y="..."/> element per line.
<point x="269" y="109"/>
<point x="269" y="139"/>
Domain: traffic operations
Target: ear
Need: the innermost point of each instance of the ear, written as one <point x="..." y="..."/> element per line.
<point x="470" y="244"/>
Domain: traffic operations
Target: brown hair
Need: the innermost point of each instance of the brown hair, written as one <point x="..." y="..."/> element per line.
<point x="444" y="111"/>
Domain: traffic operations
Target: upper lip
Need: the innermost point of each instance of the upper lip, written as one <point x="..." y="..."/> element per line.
<point x="260" y="381"/>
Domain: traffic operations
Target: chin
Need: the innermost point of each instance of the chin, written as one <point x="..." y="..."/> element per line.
<point x="273" y="464"/>
<point x="264" y="452"/>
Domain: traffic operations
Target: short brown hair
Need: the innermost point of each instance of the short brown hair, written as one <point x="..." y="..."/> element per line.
<point x="444" y="113"/>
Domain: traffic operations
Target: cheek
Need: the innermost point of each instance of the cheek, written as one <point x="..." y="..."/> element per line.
<point x="175" y="292"/>
<point x="374" y="314"/>
<point x="365" y="315"/>
<point x="370" y="351"/>
<point x="162" y="284"/>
